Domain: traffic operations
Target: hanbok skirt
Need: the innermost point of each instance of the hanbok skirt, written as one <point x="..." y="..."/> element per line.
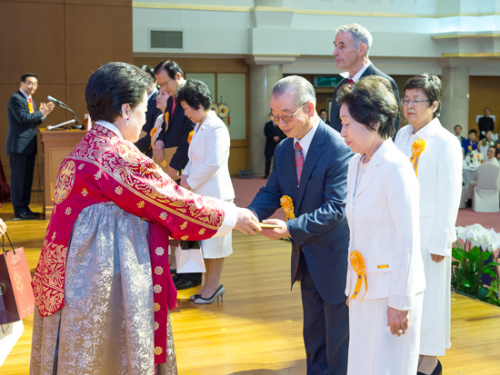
<point x="106" y="325"/>
<point x="373" y="350"/>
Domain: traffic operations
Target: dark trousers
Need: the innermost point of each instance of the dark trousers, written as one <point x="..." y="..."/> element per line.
<point x="326" y="330"/>
<point x="269" y="160"/>
<point x="22" y="167"/>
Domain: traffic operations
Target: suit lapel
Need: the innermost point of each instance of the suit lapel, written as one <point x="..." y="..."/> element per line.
<point x="290" y="169"/>
<point x="313" y="155"/>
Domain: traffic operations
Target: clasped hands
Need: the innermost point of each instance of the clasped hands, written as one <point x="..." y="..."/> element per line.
<point x="247" y="223"/>
<point x="46" y="108"/>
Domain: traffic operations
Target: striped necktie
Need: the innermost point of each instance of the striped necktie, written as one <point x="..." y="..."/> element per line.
<point x="299" y="160"/>
<point x="30" y="105"/>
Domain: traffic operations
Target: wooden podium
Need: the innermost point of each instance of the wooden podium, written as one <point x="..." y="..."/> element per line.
<point x="57" y="144"/>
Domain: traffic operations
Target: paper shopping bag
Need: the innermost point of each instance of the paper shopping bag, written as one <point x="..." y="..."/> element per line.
<point x="189" y="257"/>
<point x="15" y="283"/>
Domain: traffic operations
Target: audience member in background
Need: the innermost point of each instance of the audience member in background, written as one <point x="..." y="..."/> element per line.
<point x="274" y="135"/>
<point x="485" y="124"/>
<point x="177" y="127"/>
<point x="436" y="157"/>
<point x="161" y="104"/>
<point x="383" y="215"/>
<point x="207" y="173"/>
<point x="490" y="158"/>
<point x="497" y="154"/>
<point x="352" y="45"/>
<point x="324" y="116"/>
<point x="486" y="143"/>
<point x="458" y="133"/>
<point x="21" y="143"/>
<point x="144" y="144"/>
<point x="470" y="144"/>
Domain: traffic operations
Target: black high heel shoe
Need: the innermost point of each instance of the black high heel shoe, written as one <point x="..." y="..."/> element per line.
<point x="438" y="370"/>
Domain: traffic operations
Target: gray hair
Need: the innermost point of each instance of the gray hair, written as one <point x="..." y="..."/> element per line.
<point x="359" y="34"/>
<point x="301" y="87"/>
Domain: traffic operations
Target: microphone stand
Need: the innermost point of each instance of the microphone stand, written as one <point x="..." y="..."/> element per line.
<point x="79" y="124"/>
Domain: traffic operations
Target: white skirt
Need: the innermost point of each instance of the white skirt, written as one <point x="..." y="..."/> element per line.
<point x="373" y="350"/>
<point x="219" y="247"/>
<point x="436" y="314"/>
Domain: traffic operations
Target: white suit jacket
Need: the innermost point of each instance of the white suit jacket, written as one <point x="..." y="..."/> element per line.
<point x="208" y="159"/>
<point x="440" y="178"/>
<point x="383" y="220"/>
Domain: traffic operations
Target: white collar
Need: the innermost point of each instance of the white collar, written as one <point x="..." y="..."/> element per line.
<point x="111" y="127"/>
<point x="306" y="140"/>
<point x="25" y="95"/>
<point x="358" y="75"/>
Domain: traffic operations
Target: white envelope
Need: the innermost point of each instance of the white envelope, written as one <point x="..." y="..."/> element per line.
<point x="189" y="261"/>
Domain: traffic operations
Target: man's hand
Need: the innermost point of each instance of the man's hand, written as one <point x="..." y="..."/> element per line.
<point x="158" y="151"/>
<point x="246" y="222"/>
<point x="276" y="233"/>
<point x="437" y="258"/>
<point x="46" y="108"/>
<point x="397" y="321"/>
<point x="3" y="227"/>
<point x="276" y="139"/>
<point x="184" y="183"/>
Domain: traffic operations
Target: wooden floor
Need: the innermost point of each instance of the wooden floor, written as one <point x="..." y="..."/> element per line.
<point x="257" y="330"/>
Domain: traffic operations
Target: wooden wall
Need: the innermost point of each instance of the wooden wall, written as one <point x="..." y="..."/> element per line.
<point x="483" y="92"/>
<point x="62" y="42"/>
<point x="239" y="157"/>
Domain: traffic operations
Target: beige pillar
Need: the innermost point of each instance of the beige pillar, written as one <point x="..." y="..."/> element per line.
<point x="455" y="104"/>
<point x="262" y="80"/>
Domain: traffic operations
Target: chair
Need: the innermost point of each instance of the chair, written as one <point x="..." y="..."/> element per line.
<point x="486" y="195"/>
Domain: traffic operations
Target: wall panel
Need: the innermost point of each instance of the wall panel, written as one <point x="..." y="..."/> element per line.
<point x="483" y="92"/>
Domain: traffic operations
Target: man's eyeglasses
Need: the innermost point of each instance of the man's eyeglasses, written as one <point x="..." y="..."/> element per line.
<point x="277" y="119"/>
<point x="408" y="101"/>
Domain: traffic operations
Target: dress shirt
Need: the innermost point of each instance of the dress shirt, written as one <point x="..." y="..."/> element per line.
<point x="358" y="75"/>
<point x="305" y="142"/>
<point x="25" y="95"/>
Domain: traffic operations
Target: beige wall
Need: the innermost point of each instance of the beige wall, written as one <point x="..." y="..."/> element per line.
<point x="62" y="42"/>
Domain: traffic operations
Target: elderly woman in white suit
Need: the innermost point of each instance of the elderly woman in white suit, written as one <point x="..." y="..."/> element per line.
<point x="207" y="173"/>
<point x="385" y="279"/>
<point x="439" y="171"/>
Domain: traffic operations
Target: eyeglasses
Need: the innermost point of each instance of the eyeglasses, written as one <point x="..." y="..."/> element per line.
<point x="408" y="101"/>
<point x="277" y="119"/>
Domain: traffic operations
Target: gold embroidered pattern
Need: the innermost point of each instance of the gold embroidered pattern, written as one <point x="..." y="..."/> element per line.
<point x="158" y="350"/>
<point x="85" y="192"/>
<point x="141" y="204"/>
<point x="163" y="215"/>
<point x="65" y="182"/>
<point x="160" y="251"/>
<point x="157" y="288"/>
<point x="202" y="231"/>
<point x="67" y="211"/>
<point x="98" y="175"/>
<point x="119" y="190"/>
<point x="183" y="225"/>
<point x="156" y="326"/>
<point x="157" y="307"/>
<point x="80" y="167"/>
<point x="53" y="236"/>
<point x="184" y="238"/>
<point x="159" y="270"/>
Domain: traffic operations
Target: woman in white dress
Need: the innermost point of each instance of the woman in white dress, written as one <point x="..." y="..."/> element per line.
<point x="439" y="172"/>
<point x="385" y="277"/>
<point x="207" y="173"/>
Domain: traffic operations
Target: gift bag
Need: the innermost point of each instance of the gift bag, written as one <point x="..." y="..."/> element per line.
<point x="189" y="257"/>
<point x="15" y="285"/>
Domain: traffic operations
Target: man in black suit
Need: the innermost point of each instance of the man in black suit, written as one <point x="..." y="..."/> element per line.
<point x="21" y="143"/>
<point x="274" y="135"/>
<point x="324" y="116"/>
<point x="144" y="144"/>
<point x="170" y="77"/>
<point x="485" y="124"/>
<point x="352" y="44"/>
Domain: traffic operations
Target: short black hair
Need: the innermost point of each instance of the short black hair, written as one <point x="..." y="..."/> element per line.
<point x="322" y="110"/>
<point x="473" y="131"/>
<point x="370" y="101"/>
<point x="194" y="93"/>
<point x="26" y="75"/>
<point x="170" y="67"/>
<point x="148" y="69"/>
<point x="494" y="148"/>
<point x="458" y="126"/>
<point x="431" y="86"/>
<point x="113" y="85"/>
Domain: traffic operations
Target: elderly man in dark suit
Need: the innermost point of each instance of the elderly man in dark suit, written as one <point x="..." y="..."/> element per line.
<point x="310" y="167"/>
<point x="144" y="144"/>
<point x="274" y="135"/>
<point x="352" y="45"/>
<point x="21" y="144"/>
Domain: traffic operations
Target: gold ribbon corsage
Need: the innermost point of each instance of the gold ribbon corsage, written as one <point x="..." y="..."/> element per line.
<point x="190" y="136"/>
<point x="287" y="205"/>
<point x="358" y="265"/>
<point x="167" y="117"/>
<point x="416" y="150"/>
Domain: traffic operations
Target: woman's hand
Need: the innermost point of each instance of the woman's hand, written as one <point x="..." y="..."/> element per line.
<point x="3" y="227"/>
<point x="246" y="222"/>
<point x="398" y="321"/>
<point x="437" y="258"/>
<point x="184" y="183"/>
<point x="158" y="151"/>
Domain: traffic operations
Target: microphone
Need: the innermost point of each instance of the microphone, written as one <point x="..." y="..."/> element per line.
<point x="52" y="99"/>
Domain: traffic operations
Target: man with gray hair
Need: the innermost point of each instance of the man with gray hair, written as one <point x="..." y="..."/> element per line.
<point x="310" y="175"/>
<point x="352" y="45"/>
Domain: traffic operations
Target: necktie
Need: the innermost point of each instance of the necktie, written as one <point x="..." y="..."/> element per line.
<point x="299" y="160"/>
<point x="30" y="105"/>
<point x="350" y="81"/>
<point x="173" y="106"/>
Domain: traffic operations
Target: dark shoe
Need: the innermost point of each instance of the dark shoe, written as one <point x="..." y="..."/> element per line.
<point x="438" y="370"/>
<point x="266" y="177"/>
<point x="468" y="204"/>
<point x="27" y="216"/>
<point x="173" y="271"/>
<point x="177" y="277"/>
<point x="37" y="214"/>
<point x="218" y="293"/>
<point x="185" y="284"/>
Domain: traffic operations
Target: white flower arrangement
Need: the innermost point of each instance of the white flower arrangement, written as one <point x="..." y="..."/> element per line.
<point x="472" y="159"/>
<point x="486" y="239"/>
